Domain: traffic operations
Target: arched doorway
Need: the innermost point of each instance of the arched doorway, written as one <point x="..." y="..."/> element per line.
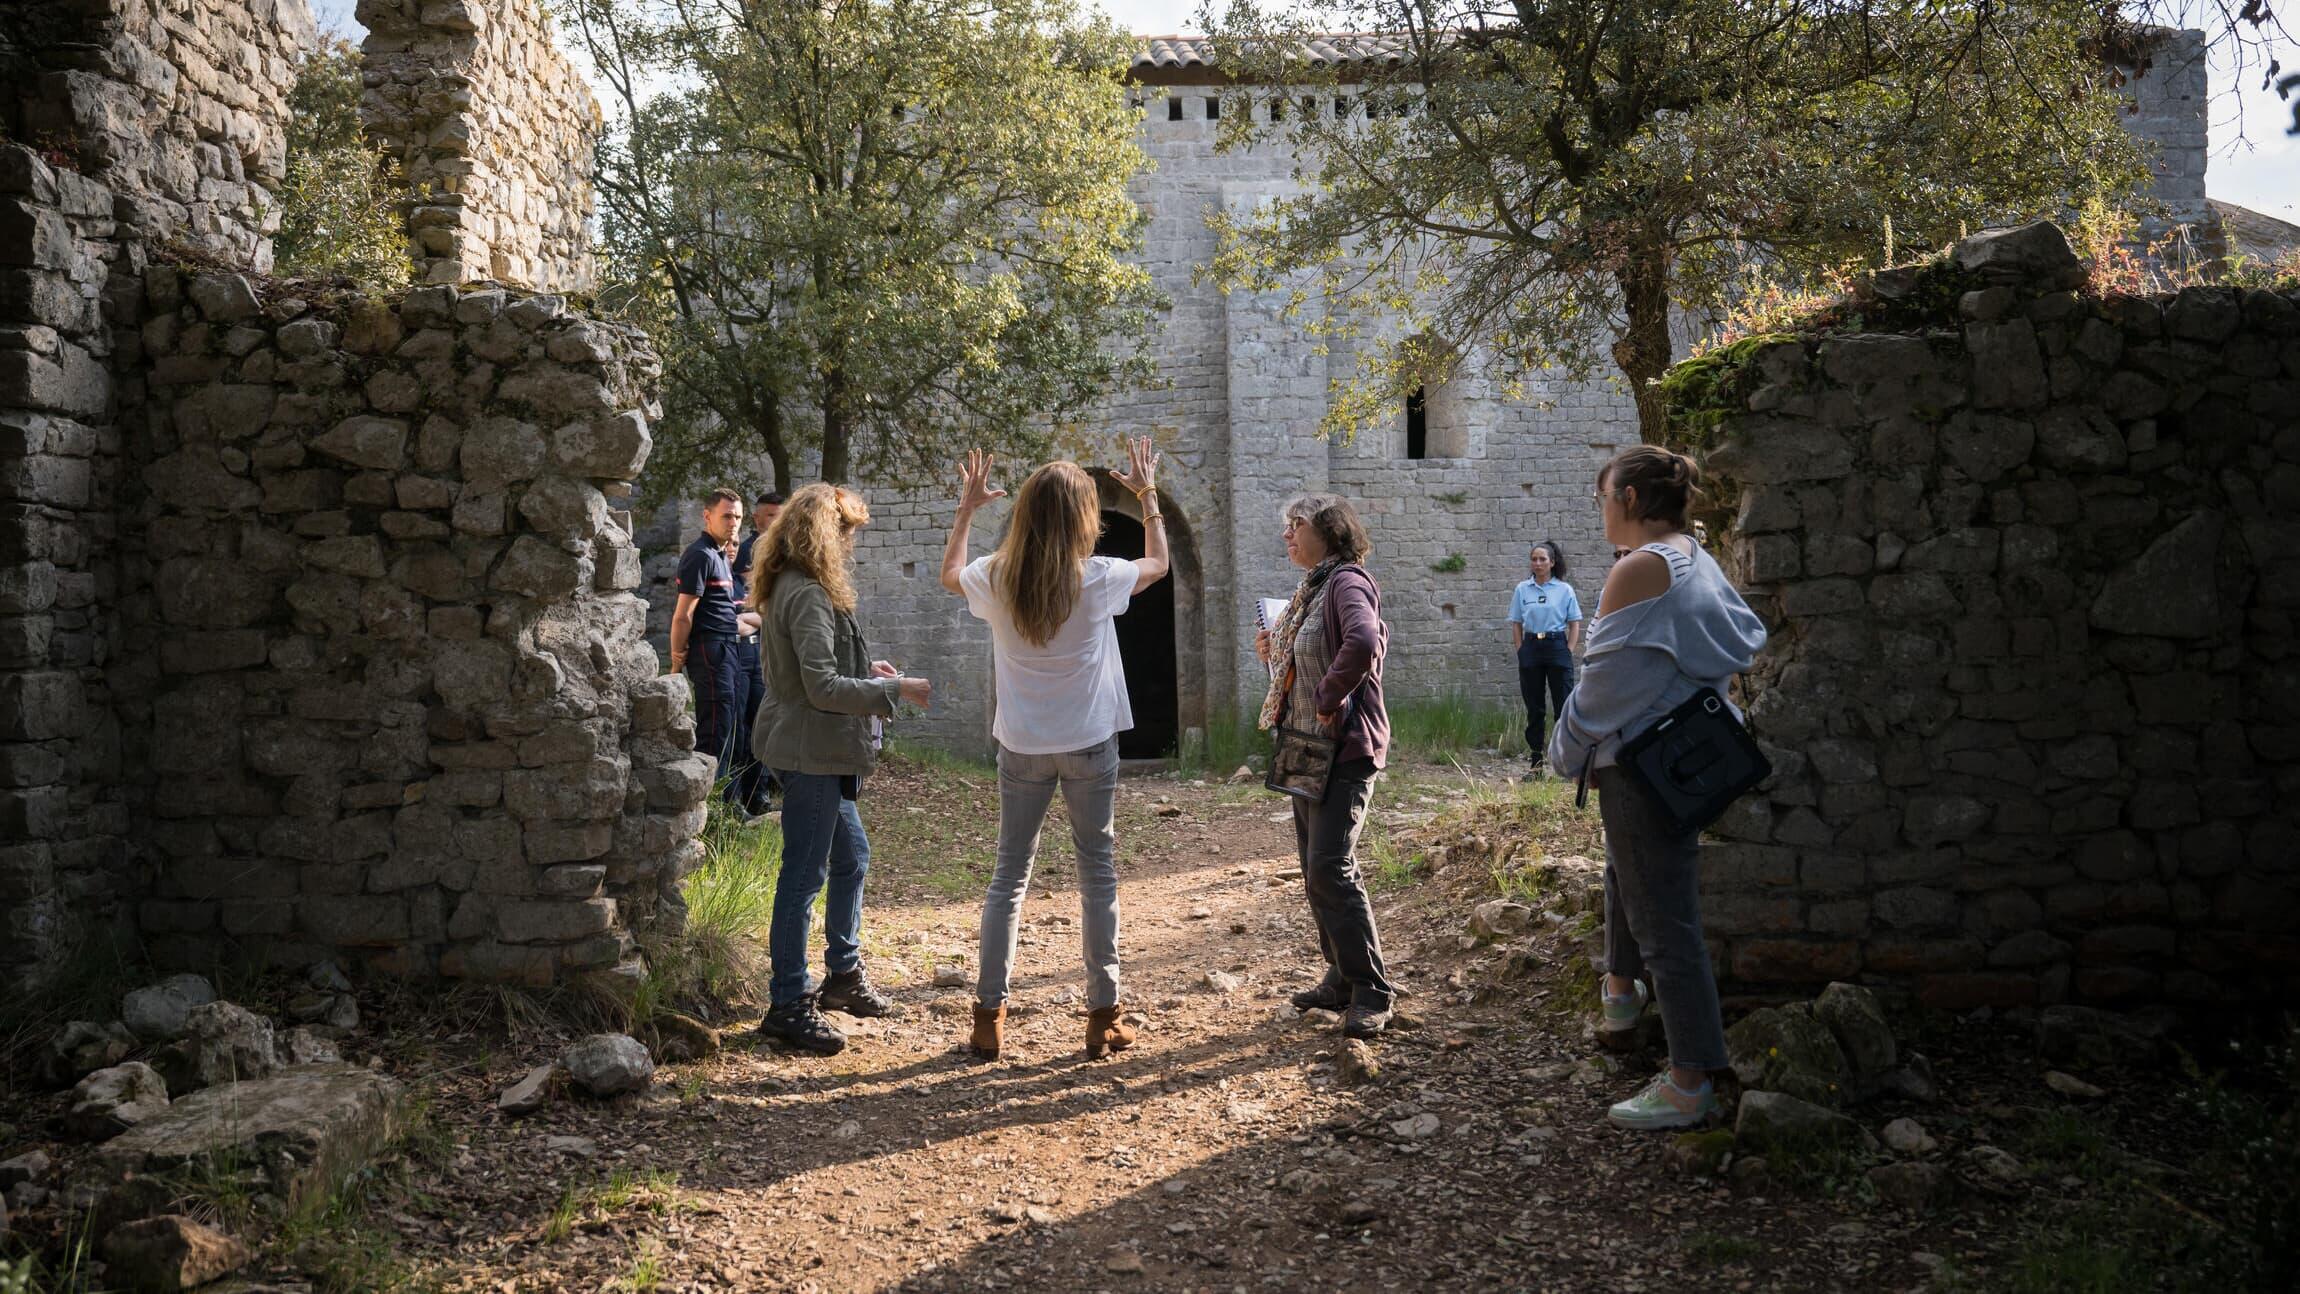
<point x="1146" y="646"/>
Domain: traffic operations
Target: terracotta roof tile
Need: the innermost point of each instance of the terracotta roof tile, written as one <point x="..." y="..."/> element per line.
<point x="1332" y="49"/>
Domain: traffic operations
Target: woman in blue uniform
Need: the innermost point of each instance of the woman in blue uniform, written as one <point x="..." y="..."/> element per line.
<point x="1545" y="628"/>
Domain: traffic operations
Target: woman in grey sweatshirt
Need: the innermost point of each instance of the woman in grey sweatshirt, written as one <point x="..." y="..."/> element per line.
<point x="1668" y="625"/>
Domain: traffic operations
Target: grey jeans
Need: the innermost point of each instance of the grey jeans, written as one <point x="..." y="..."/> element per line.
<point x="1088" y="780"/>
<point x="1327" y="836"/>
<point x="1653" y="917"/>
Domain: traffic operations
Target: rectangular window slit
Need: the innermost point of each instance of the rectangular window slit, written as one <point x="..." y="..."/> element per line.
<point x="1417" y="426"/>
<point x="910" y="570"/>
<point x="1213" y="107"/>
<point x="1173" y="110"/>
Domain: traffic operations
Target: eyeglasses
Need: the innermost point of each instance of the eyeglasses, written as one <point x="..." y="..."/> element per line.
<point x="1599" y="497"/>
<point x="1293" y="524"/>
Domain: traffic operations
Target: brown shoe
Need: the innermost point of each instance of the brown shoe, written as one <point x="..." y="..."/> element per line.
<point x="989" y="1031"/>
<point x="1106" y="1033"/>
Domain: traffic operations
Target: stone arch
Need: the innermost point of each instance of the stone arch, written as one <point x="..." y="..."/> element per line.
<point x="1179" y="658"/>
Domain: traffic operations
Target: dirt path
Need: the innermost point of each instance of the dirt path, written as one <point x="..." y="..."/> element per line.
<point x="1224" y="1152"/>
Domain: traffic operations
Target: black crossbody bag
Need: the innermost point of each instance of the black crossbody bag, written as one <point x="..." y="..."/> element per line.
<point x="1697" y="759"/>
<point x="1302" y="761"/>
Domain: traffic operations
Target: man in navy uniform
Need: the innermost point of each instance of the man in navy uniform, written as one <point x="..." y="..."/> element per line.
<point x="752" y="783"/>
<point x="705" y="624"/>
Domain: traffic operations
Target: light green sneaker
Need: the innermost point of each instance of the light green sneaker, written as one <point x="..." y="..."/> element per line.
<point x="1663" y="1105"/>
<point x="1621" y="1013"/>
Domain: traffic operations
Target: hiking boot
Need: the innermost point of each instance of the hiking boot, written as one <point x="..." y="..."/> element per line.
<point x="1663" y="1105"/>
<point x="1617" y="1025"/>
<point x="851" y="992"/>
<point x="1365" y="1021"/>
<point x="1106" y="1033"/>
<point x="802" y="1026"/>
<point x="989" y="1031"/>
<point x="1327" y="995"/>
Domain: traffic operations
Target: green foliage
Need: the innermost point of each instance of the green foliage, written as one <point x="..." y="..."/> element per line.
<point x="1545" y="185"/>
<point x="1453" y="497"/>
<point x="716" y="957"/>
<point x="1452" y="724"/>
<point x="1231" y="741"/>
<point x="879" y="231"/>
<point x="1450" y="564"/>
<point x="342" y="206"/>
<point x="1703" y="393"/>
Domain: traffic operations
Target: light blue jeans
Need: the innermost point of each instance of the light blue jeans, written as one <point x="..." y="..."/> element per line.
<point x="1026" y="785"/>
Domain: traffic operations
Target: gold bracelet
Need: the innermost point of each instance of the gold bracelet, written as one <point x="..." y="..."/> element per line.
<point x="1153" y="516"/>
<point x="1145" y="492"/>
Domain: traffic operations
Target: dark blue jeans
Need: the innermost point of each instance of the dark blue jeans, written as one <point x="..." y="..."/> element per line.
<point x="715" y="674"/>
<point x="1544" y="667"/>
<point x="746" y="776"/>
<point x="823" y="842"/>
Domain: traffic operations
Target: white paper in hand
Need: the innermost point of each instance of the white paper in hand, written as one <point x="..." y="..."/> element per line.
<point x="1267" y="613"/>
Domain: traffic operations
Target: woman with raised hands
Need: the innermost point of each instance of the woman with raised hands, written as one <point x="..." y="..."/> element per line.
<point x="1051" y="605"/>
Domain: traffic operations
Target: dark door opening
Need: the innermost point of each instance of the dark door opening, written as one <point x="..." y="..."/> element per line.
<point x="1146" y="647"/>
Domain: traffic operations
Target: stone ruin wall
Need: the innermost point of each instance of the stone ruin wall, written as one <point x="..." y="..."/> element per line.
<point x="315" y="622"/>
<point x="399" y="695"/>
<point x="494" y="128"/>
<point x="2031" y="696"/>
<point x="178" y="108"/>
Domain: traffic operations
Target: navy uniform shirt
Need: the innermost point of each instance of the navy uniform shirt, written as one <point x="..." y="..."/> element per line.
<point x="1541" y="608"/>
<point x="704" y="574"/>
<point x="743" y="568"/>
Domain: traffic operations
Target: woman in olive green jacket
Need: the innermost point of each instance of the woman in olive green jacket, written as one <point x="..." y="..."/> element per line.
<point x="818" y="731"/>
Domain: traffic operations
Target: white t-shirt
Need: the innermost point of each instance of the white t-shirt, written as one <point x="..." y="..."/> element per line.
<point x="1071" y="693"/>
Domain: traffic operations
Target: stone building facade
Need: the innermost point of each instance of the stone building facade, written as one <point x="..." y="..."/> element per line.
<point x="1495" y="470"/>
<point x="316" y="630"/>
<point x="2029" y="695"/>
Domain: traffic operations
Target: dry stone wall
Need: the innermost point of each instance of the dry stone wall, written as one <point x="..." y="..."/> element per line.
<point x="391" y="667"/>
<point x="180" y="108"/>
<point x="2031" y="693"/>
<point x="494" y="129"/>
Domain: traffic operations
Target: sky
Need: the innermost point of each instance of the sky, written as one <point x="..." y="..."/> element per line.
<point x="2253" y="162"/>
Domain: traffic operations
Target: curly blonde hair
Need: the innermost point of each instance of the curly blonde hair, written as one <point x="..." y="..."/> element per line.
<point x="814" y="535"/>
<point x="1040" y="566"/>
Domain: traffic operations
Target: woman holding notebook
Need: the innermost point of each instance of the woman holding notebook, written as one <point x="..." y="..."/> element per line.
<point x="1325" y="654"/>
<point x="1061" y="689"/>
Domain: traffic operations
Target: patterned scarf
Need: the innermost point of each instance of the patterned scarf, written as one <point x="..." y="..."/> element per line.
<point x="1282" y="637"/>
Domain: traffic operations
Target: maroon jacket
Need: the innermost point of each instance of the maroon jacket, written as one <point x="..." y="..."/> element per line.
<point x="1353" y="622"/>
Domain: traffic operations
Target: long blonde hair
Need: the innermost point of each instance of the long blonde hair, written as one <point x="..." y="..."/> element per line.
<point x="1039" y="568"/>
<point x="814" y="534"/>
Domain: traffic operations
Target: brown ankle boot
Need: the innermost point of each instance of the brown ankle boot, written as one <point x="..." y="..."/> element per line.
<point x="1106" y="1033"/>
<point x="989" y="1031"/>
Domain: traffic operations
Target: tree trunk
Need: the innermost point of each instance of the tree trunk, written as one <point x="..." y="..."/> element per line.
<point x="835" y="424"/>
<point x="770" y="428"/>
<point x="1643" y="350"/>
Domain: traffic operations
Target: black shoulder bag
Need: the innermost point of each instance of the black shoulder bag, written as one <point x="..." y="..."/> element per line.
<point x="1696" y="760"/>
<point x="1302" y="760"/>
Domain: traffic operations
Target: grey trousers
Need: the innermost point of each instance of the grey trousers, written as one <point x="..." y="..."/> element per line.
<point x="1327" y="836"/>
<point x="1088" y="780"/>
<point x="1653" y="917"/>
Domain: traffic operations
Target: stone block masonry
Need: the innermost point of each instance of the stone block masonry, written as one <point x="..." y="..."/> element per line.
<point x="494" y="129"/>
<point x="180" y="108"/>
<point x="2030" y="694"/>
<point x="379" y="646"/>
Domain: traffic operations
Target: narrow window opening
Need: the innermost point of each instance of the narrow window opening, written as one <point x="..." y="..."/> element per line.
<point x="1417" y="426"/>
<point x="1277" y="109"/>
<point x="1341" y="107"/>
<point x="1309" y="106"/>
<point x="1173" y="110"/>
<point x="1213" y="107"/>
<point x="1446" y="608"/>
<point x="910" y="570"/>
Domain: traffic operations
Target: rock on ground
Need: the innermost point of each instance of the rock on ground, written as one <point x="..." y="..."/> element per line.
<point x="223" y="1042"/>
<point x="166" y="1254"/>
<point x="1911" y="1184"/>
<point x="1774" y="1123"/>
<point x="158" y="1012"/>
<point x="304" y="1128"/>
<point x="1787" y="1049"/>
<point x="676" y="1039"/>
<point x="83" y="1047"/>
<point x="608" y="1064"/>
<point x="1862" y="1032"/>
<point x="111" y="1101"/>
<point x="1499" y="919"/>
<point x="529" y="1094"/>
